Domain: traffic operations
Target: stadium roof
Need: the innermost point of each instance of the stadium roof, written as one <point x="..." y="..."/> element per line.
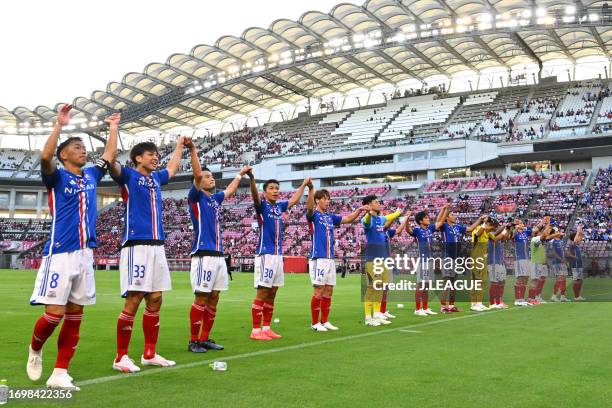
<point x="381" y="41"/>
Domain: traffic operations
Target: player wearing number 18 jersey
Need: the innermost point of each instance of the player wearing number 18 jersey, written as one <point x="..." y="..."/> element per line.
<point x="322" y="264"/>
<point x="268" y="267"/>
<point x="143" y="268"/>
<point x="209" y="275"/>
<point x="65" y="280"/>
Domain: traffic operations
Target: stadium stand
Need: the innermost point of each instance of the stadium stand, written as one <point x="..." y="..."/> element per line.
<point x="420" y="116"/>
<point x="364" y="124"/>
<point x="577" y="107"/>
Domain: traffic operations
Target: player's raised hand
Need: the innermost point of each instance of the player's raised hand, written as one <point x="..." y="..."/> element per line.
<point x="306" y="181"/>
<point x="188" y="143"/>
<point x="63" y="116"/>
<point x="250" y="174"/>
<point x="180" y="142"/>
<point x="113" y="120"/>
<point x="245" y="170"/>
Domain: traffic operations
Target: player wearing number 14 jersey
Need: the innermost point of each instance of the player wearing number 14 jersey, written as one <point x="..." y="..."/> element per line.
<point x="143" y="268"/>
<point x="65" y="280"/>
<point x="322" y="265"/>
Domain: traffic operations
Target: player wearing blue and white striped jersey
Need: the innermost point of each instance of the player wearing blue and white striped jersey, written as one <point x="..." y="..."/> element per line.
<point x="322" y="264"/>
<point x="452" y="235"/>
<point x="497" y="267"/>
<point x="209" y="275"/>
<point x="268" y="268"/>
<point x="523" y="267"/>
<point x="574" y="255"/>
<point x="389" y="234"/>
<point x="423" y="233"/>
<point x="558" y="266"/>
<point x="65" y="280"/>
<point x="143" y="267"/>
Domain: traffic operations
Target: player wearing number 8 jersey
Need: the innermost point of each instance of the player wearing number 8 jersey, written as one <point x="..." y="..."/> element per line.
<point x="268" y="266"/>
<point x="65" y="280"/>
<point x="208" y="268"/>
<point x="143" y="267"/>
<point x="322" y="265"/>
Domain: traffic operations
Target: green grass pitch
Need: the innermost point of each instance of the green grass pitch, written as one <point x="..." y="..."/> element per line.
<point x="554" y="355"/>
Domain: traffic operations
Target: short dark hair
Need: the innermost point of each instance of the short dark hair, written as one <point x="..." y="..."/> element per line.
<point x="319" y="194"/>
<point x="420" y="216"/>
<point x="65" y="144"/>
<point x="493" y="222"/>
<point x="204" y="168"/>
<point x="140" y="149"/>
<point x="368" y="199"/>
<point x="572" y="236"/>
<point x="268" y="182"/>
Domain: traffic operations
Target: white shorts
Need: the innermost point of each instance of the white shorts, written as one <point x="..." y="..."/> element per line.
<point x="425" y="272"/>
<point x="523" y="267"/>
<point x="449" y="272"/>
<point x="539" y="271"/>
<point x="269" y="271"/>
<point x="577" y="273"/>
<point x="322" y="271"/>
<point x="208" y="273"/>
<point x="560" y="269"/>
<point x="143" y="268"/>
<point x="497" y="273"/>
<point x="66" y="277"/>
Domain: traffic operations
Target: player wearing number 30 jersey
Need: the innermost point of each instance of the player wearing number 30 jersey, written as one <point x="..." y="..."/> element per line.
<point x="143" y="268"/>
<point x="322" y="265"/>
<point x="65" y="280"/>
<point x="268" y="271"/>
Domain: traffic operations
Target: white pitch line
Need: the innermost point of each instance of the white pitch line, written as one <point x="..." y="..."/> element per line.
<point x="117" y="377"/>
<point x="410" y="331"/>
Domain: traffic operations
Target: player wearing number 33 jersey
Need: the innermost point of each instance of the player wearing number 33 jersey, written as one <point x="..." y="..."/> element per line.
<point x="143" y="268"/>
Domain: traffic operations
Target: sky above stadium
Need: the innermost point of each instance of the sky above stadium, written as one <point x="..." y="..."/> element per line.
<point x="57" y="51"/>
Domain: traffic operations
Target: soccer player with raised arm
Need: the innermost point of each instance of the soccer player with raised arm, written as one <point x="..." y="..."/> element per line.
<point x="389" y="234"/>
<point x="269" y="273"/>
<point x="322" y="265"/>
<point x="425" y="272"/>
<point x="65" y="280"/>
<point x="497" y="268"/>
<point x="574" y="254"/>
<point x="208" y="267"/>
<point x="452" y="234"/>
<point x="523" y="267"/>
<point x="538" y="258"/>
<point x="559" y="266"/>
<point x="479" y="274"/>
<point x="143" y="267"/>
<point x="376" y="248"/>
